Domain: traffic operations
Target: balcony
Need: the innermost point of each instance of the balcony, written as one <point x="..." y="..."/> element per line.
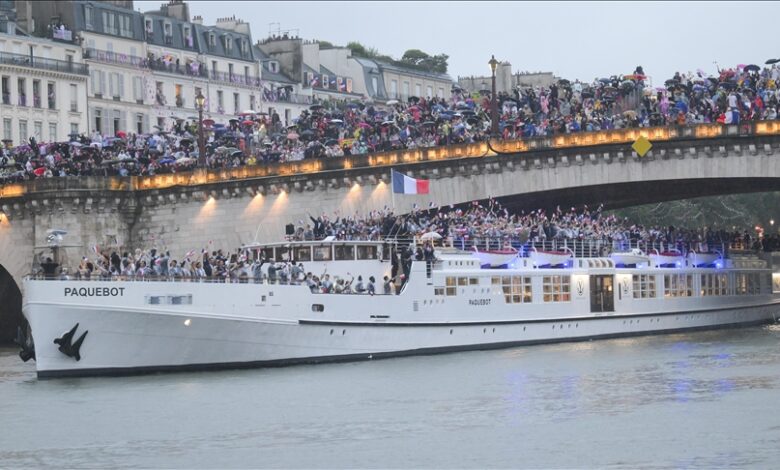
<point x="6" y="98"/>
<point x="110" y="57"/>
<point x="234" y="79"/>
<point x="45" y="64"/>
<point x="64" y="35"/>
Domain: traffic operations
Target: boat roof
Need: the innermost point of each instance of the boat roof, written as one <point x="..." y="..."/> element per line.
<point x="326" y="241"/>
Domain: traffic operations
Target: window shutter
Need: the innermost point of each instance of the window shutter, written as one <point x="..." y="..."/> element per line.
<point x="120" y="84"/>
<point x="111" y="84"/>
<point x="137" y="88"/>
<point x="102" y="83"/>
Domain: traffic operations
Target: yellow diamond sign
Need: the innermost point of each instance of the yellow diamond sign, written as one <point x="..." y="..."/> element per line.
<point x="642" y="146"/>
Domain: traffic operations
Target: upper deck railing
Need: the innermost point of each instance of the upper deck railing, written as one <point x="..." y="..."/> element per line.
<point x="53" y="65"/>
<point x="515" y="149"/>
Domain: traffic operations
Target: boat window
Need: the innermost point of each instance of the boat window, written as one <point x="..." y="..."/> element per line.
<point x="438" y="291"/>
<point x="180" y="299"/>
<point x="366" y="252"/>
<point x="463" y="281"/>
<point x="517" y="289"/>
<point x="155" y="299"/>
<point x="473" y="281"/>
<point x="495" y="280"/>
<point x="678" y="285"/>
<point x="556" y="288"/>
<point x="302" y="253"/>
<point x="282" y="253"/>
<point x="345" y="252"/>
<point x="451" y="285"/>
<point x="317" y="308"/>
<point x="267" y="253"/>
<point x="322" y="253"/>
<point x="644" y="286"/>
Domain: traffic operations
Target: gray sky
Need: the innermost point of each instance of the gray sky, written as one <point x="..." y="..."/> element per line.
<point x="581" y="40"/>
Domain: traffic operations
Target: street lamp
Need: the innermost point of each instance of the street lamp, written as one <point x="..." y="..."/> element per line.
<point x="493" y="104"/>
<point x="200" y="101"/>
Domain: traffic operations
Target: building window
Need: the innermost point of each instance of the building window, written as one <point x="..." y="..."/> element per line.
<point x="236" y="103"/>
<point x="36" y="93"/>
<point x="52" y="132"/>
<point x="246" y="74"/>
<point x="7" y="123"/>
<point x="22" y="86"/>
<point x="417" y="90"/>
<point x="160" y="97"/>
<point x="429" y="93"/>
<point x="74" y="104"/>
<point x="98" y="120"/>
<point x="179" y="96"/>
<point x="375" y="85"/>
<point x="214" y="67"/>
<point x="116" y="122"/>
<point x="138" y="90"/>
<point x="228" y="44"/>
<point x="109" y="23"/>
<point x="148" y="26"/>
<point x="394" y="88"/>
<point x="124" y="26"/>
<point x="187" y="35"/>
<point x="220" y="102"/>
<point x="252" y="102"/>
<point x="51" y="96"/>
<point x="88" y="20"/>
<point x="74" y="128"/>
<point x="23" y="134"/>
<point x="212" y="40"/>
<point x="644" y="286"/>
<point x="6" y="90"/>
<point x="139" y="123"/>
<point x="441" y="92"/>
<point x="406" y="90"/>
<point x="230" y="71"/>
<point x="556" y="288"/>
<point x="274" y="66"/>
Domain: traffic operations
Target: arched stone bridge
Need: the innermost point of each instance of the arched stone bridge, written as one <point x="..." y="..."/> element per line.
<point x="227" y="208"/>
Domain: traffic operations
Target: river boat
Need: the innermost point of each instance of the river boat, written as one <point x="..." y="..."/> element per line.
<point x="129" y="325"/>
<point x="544" y="258"/>
<point x="668" y="258"/>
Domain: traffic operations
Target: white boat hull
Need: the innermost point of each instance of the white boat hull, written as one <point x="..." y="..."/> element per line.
<point x="123" y="341"/>
<point x="495" y="259"/>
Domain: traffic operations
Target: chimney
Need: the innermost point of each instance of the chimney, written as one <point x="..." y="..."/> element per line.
<point x="197" y="19"/>
<point x="178" y="9"/>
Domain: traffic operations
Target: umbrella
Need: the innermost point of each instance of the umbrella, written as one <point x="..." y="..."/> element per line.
<point x="388" y="123"/>
<point x="292" y="136"/>
<point x="248" y="122"/>
<point x="315" y="107"/>
<point x="392" y="102"/>
<point x="233" y="120"/>
<point x="331" y="142"/>
<point x="192" y="118"/>
<point x="336" y="121"/>
<point x="772" y="61"/>
<point x="364" y="125"/>
<point x="167" y="160"/>
<point x="472" y="120"/>
<point x="39" y="171"/>
<point x="236" y="152"/>
<point x="186" y="141"/>
<point x="429" y="123"/>
<point x="207" y="122"/>
<point x="246" y="113"/>
<point x="185" y="161"/>
<point x="430" y="236"/>
<point x="75" y="144"/>
<point x="752" y="68"/>
<point x="293" y="126"/>
<point x="414" y="99"/>
<point x="563" y="82"/>
<point x="307" y="133"/>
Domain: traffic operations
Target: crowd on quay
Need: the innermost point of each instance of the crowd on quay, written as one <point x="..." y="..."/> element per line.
<point x="336" y="129"/>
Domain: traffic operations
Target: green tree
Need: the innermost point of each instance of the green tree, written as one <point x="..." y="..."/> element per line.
<point x="415" y="56"/>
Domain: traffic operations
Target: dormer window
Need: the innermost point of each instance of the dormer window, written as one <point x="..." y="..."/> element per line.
<point x="212" y="40"/>
<point x="187" y="36"/>
<point x="228" y="43"/>
<point x="167" y="29"/>
<point x="244" y="46"/>
<point x="274" y="66"/>
<point x="148" y="25"/>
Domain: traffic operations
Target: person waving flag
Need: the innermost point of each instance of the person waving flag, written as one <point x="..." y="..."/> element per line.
<point x="403" y="184"/>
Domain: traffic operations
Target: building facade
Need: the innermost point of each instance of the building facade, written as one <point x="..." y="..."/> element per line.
<point x="43" y="86"/>
<point x="506" y="81"/>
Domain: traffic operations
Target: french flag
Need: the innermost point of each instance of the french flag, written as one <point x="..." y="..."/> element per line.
<point x="403" y="184"/>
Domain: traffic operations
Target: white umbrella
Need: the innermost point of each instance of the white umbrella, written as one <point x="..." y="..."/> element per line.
<point x="430" y="236"/>
<point x="392" y="102"/>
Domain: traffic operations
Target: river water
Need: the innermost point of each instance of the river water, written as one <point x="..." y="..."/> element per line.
<point x="698" y="400"/>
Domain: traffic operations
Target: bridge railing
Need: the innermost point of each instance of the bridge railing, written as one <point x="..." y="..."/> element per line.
<point x="407" y="156"/>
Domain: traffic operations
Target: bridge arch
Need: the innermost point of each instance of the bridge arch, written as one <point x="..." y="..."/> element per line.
<point x="10" y="307"/>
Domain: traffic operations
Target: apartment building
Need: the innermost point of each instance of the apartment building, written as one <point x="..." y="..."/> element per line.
<point x="43" y="85"/>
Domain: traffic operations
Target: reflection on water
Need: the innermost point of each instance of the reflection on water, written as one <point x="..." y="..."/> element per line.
<point x="687" y="400"/>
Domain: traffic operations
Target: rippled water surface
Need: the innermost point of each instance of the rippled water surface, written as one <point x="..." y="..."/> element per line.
<point x="706" y="400"/>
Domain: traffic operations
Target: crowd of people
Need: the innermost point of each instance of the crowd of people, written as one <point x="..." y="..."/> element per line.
<point x="457" y="227"/>
<point x="742" y="93"/>
<point x="491" y="226"/>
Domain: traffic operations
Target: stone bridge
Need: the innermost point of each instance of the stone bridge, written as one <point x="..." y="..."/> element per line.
<point x="228" y="208"/>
